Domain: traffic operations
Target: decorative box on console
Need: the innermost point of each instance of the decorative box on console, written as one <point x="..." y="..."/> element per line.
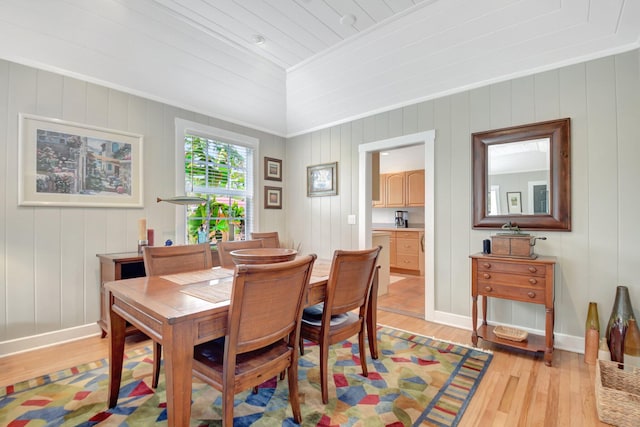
<point x="513" y="245"/>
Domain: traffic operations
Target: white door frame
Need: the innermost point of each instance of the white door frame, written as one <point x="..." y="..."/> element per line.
<point x="364" y="201"/>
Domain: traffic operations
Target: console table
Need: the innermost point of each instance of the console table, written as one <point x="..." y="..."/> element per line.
<point x="117" y="266"/>
<point x="515" y="279"/>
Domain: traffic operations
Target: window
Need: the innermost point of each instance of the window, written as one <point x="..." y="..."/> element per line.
<point x="218" y="167"/>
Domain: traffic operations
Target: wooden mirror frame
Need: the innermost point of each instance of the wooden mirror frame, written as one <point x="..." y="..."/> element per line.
<point x="559" y="216"/>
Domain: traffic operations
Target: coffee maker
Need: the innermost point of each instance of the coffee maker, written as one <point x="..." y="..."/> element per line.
<point x="402" y="219"/>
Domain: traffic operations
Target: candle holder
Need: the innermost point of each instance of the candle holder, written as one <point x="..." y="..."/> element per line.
<point x="141" y="245"/>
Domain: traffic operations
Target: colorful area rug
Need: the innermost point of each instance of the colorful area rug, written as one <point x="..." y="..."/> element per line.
<point x="417" y="381"/>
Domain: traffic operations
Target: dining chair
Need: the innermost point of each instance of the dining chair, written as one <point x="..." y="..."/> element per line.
<point x="263" y="328"/>
<point x="270" y="238"/>
<point x="334" y="320"/>
<point x="161" y="260"/>
<point x="225" y="248"/>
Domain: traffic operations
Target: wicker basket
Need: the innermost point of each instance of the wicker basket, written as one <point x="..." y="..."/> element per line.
<point x="617" y="394"/>
<point x="510" y="333"/>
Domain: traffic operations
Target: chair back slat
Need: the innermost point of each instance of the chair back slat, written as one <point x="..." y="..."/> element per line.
<point x="267" y="301"/>
<point x="159" y="260"/>
<point x="350" y="280"/>
<point x="270" y="238"/>
<point x="225" y="248"/>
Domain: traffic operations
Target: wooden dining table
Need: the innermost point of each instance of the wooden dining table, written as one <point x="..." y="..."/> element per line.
<point x="182" y="310"/>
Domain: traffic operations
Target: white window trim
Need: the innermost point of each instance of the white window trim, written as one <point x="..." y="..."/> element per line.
<point x="184" y="127"/>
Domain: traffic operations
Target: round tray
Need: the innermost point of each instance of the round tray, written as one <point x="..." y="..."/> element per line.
<point x="262" y="255"/>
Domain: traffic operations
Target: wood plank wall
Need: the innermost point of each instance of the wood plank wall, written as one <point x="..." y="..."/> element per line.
<point x="602" y="98"/>
<point x="48" y="265"/>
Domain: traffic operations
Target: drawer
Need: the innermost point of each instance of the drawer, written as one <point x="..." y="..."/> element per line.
<point x="530" y="281"/>
<point x="516" y="293"/>
<point x="407" y="246"/>
<point x="408" y="234"/>
<point x="524" y="268"/>
<point x="409" y="262"/>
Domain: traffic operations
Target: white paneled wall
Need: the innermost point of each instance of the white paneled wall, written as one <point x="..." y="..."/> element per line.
<point x="602" y="97"/>
<point x="48" y="267"/>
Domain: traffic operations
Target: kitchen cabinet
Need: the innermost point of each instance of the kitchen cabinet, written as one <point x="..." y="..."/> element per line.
<point x="515" y="279"/>
<point x="401" y="189"/>
<point x="406" y="252"/>
<point x="414" y="188"/>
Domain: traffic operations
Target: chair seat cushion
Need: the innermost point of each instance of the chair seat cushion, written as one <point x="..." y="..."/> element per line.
<point x="211" y="354"/>
<point x="313" y="316"/>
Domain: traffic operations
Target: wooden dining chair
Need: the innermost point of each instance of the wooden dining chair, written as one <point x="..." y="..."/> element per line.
<point x="270" y="238"/>
<point x="334" y="320"/>
<point x="161" y="260"/>
<point x="225" y="248"/>
<point x="263" y="328"/>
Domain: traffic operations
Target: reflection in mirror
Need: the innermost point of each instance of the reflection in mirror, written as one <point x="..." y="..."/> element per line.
<point x="522" y="175"/>
<point x="518" y="174"/>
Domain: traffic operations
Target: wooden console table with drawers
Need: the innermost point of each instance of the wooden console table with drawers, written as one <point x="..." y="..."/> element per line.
<point x="515" y="279"/>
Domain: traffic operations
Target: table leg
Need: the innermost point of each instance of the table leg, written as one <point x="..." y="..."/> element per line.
<point x="548" y="333"/>
<point x="372" y="317"/>
<point x="178" y="343"/>
<point x="474" y="320"/>
<point x="116" y="354"/>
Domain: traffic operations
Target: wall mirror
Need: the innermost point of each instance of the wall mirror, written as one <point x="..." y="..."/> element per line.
<point x="522" y="175"/>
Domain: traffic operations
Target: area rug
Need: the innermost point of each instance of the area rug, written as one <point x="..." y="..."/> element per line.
<point x="417" y="381"/>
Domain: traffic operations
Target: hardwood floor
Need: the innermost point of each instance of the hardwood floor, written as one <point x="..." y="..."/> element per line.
<point x="517" y="389"/>
<point x="405" y="295"/>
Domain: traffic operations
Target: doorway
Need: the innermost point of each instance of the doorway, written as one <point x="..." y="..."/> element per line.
<point x="364" y="201"/>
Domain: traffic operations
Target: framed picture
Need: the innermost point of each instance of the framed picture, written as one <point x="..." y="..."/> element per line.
<point x="322" y="180"/>
<point x="71" y="164"/>
<point x="514" y="202"/>
<point x="272" y="197"/>
<point x="272" y="169"/>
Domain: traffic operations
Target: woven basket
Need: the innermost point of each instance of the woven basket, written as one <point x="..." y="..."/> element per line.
<point x="617" y="394"/>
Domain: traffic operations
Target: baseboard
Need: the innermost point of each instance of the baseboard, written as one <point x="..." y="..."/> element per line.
<point x="566" y="342"/>
<point x="34" y="342"/>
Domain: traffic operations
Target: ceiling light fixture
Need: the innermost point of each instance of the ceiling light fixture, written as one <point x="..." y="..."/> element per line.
<point x="348" y="20"/>
<point x="258" y="39"/>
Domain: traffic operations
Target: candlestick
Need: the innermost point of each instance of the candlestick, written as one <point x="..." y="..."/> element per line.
<point x="142" y="229"/>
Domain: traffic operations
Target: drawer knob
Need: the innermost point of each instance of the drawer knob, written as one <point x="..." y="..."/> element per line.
<point x="488" y="288"/>
<point x="486" y="265"/>
<point x="533" y="281"/>
<point x="487" y="276"/>
<point x="531" y="294"/>
<point x="533" y="269"/>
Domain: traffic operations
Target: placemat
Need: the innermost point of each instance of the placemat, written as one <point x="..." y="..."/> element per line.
<point x="215" y="293"/>
<point x="189" y="277"/>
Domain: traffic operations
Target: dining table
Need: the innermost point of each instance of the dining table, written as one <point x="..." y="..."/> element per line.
<point x="182" y="310"/>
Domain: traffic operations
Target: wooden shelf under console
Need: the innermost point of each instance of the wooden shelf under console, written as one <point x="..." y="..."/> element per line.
<point x="515" y="279"/>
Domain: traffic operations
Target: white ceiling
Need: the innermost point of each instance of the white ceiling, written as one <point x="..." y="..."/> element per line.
<point x="293" y="30"/>
<point x="312" y="71"/>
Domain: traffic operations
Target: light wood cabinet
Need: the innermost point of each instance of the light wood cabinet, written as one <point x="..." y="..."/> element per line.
<point x="414" y="188"/>
<point x="525" y="280"/>
<point x="401" y="189"/>
<point x="406" y="254"/>
<point x="394" y="191"/>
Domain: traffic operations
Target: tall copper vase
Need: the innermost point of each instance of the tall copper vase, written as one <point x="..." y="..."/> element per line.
<point x="591" y="334"/>
<point x="618" y="322"/>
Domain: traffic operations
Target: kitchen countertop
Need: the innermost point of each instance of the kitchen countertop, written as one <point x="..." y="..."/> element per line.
<point x="392" y="227"/>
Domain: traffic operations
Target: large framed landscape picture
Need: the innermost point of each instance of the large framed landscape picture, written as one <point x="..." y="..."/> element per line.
<point x="71" y="164"/>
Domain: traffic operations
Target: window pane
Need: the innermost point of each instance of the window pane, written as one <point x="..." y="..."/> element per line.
<point x="217" y="172"/>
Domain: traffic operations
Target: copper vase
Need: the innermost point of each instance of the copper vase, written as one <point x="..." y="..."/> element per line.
<point x="591" y="334"/>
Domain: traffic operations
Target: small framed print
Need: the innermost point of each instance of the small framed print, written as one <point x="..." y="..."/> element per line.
<point x="322" y="180"/>
<point x="272" y="197"/>
<point x="514" y="202"/>
<point x="272" y="169"/>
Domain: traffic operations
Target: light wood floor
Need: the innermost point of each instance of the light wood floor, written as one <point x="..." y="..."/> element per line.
<point x="517" y="389"/>
<point x="404" y="296"/>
